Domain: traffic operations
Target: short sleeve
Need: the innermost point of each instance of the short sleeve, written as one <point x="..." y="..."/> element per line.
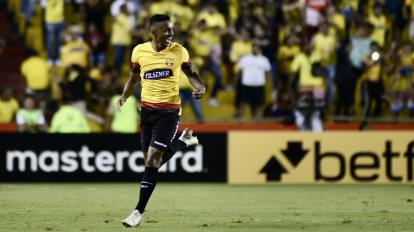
<point x="266" y="63"/>
<point x="185" y="57"/>
<point x="242" y="62"/>
<point x="41" y="120"/>
<point x="15" y="105"/>
<point x="20" y="118"/>
<point x="295" y="64"/>
<point x="134" y="60"/>
<point x="23" y="68"/>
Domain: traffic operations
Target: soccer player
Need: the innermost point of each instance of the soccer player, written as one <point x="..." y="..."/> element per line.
<point x="157" y="65"/>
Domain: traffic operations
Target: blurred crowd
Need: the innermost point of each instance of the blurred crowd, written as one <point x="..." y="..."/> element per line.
<point x="289" y="60"/>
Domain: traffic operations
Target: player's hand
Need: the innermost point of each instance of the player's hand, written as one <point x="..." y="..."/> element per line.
<point x="199" y="93"/>
<point x="121" y="101"/>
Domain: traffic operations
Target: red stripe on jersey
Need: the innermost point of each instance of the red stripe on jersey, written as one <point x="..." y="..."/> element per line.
<point x="135" y="65"/>
<point x="160" y="106"/>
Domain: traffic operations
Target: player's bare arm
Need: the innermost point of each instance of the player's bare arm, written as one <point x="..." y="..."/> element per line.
<point x="129" y="88"/>
<point x="195" y="81"/>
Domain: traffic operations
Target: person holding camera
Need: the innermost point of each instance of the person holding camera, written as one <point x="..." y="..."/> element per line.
<point x="372" y="82"/>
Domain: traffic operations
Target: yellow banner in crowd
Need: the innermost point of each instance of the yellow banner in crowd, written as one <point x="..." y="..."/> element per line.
<point x="330" y="157"/>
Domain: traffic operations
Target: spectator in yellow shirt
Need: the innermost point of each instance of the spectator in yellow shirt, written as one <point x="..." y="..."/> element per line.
<point x="55" y="24"/>
<point x="380" y="23"/>
<point x="402" y="86"/>
<point x="285" y="55"/>
<point x="310" y="90"/>
<point x="36" y="72"/>
<point x="324" y="46"/>
<point x="8" y="105"/>
<point x="214" y="19"/>
<point x="75" y="51"/>
<point x="302" y="64"/>
<point x="203" y="42"/>
<point x="409" y="16"/>
<point x="337" y="20"/>
<point x="120" y="36"/>
<point x="373" y="86"/>
<point x="240" y="47"/>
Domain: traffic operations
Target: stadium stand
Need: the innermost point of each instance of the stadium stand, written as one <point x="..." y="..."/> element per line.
<point x="348" y="71"/>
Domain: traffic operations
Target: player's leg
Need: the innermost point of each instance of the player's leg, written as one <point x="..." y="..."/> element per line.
<point x="148" y="182"/>
<point x="150" y="178"/>
<point x="163" y="132"/>
<point x="163" y="127"/>
<point x="186" y="139"/>
<point x="135" y="218"/>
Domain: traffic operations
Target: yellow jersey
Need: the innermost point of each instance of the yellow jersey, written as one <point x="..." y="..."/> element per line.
<point x="410" y="4"/>
<point x="121" y="30"/>
<point x="302" y="63"/>
<point x="285" y="56"/>
<point x="54" y="12"/>
<point x="8" y="109"/>
<point x="75" y="52"/>
<point x="201" y="41"/>
<point x="160" y="72"/>
<point x="240" y="48"/>
<point x="36" y="71"/>
<point x="372" y="73"/>
<point x="380" y="27"/>
<point x="324" y="46"/>
<point x="213" y="19"/>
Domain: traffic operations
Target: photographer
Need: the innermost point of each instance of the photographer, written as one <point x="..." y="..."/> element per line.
<point x="372" y="82"/>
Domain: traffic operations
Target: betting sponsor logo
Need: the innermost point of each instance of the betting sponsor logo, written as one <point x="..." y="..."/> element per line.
<point x="351" y="163"/>
<point x="380" y="157"/>
<point x="157" y="74"/>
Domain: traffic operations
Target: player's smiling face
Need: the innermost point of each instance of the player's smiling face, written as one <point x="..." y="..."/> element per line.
<point x="163" y="33"/>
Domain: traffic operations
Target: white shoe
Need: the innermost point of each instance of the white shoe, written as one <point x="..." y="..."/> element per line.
<point x="133" y="220"/>
<point x="188" y="138"/>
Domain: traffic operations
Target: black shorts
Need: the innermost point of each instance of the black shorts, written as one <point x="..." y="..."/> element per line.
<point x="158" y="128"/>
<point x="254" y="95"/>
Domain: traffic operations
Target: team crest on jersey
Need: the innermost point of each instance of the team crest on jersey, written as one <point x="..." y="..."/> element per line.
<point x="169" y="62"/>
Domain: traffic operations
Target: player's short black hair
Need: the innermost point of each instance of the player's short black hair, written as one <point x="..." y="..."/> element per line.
<point x="159" y="18"/>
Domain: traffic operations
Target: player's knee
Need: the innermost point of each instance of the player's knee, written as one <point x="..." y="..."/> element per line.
<point x="154" y="158"/>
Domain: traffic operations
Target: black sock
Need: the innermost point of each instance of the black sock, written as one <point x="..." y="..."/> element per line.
<point x="172" y="149"/>
<point x="149" y="180"/>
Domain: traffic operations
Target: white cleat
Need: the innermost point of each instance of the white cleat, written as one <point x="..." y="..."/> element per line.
<point x="188" y="138"/>
<point x="133" y="220"/>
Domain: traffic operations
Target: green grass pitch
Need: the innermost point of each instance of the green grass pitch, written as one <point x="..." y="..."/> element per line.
<point x="208" y="207"/>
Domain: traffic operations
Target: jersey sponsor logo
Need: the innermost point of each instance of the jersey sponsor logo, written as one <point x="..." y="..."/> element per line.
<point x="169" y="62"/>
<point x="157" y="74"/>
